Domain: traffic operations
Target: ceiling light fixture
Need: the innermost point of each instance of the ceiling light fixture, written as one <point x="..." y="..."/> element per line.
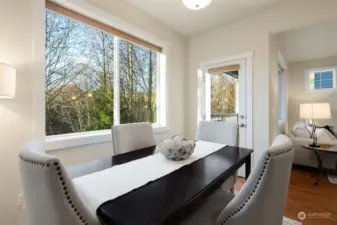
<point x="196" y="4"/>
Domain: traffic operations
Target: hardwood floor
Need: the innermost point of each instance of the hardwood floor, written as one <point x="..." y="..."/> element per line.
<point x="303" y="196"/>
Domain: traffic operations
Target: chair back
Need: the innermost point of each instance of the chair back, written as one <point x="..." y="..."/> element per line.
<point x="262" y="199"/>
<point x="49" y="193"/>
<point x="92" y="166"/>
<point x="133" y="136"/>
<point x="219" y="132"/>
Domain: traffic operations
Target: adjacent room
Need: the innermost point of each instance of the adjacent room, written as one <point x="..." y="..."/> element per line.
<point x="162" y="112"/>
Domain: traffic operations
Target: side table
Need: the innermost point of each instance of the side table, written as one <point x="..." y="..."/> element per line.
<point x="323" y="149"/>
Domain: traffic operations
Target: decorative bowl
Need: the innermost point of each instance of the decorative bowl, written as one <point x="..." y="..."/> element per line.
<point x="176" y="148"/>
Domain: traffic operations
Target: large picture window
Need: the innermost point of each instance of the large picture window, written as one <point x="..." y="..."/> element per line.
<point x="94" y="79"/>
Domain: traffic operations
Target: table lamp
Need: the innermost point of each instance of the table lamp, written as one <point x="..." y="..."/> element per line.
<point x="7" y="81"/>
<point x="313" y="111"/>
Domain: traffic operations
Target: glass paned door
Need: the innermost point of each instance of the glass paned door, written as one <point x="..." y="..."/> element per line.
<point x="225" y="97"/>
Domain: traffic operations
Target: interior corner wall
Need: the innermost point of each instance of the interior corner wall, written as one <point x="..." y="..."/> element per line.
<point x="273" y="87"/>
<point x="22" y="46"/>
<point x="20" y="33"/>
<point x="251" y="34"/>
<point x="284" y="91"/>
<point x="297" y="93"/>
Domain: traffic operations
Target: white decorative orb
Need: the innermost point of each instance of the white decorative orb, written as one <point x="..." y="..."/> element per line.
<point x="176" y="148"/>
<point x="196" y="4"/>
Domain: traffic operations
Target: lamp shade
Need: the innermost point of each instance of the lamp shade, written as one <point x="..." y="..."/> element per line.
<point x="315" y="111"/>
<point x="7" y="81"/>
<point x="196" y="4"/>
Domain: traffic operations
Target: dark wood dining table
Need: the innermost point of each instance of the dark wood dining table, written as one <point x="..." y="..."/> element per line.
<point x="171" y="198"/>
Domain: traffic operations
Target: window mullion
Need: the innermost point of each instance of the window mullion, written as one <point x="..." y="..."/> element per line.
<point x="116" y="82"/>
<point x="320" y="80"/>
<point x="161" y="90"/>
<point x="208" y="113"/>
<point x="158" y="91"/>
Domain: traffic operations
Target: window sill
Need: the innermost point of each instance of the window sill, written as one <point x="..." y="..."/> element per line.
<point x="322" y="90"/>
<point x="57" y="142"/>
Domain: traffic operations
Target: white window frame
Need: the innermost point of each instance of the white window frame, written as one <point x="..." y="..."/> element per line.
<point x="62" y="141"/>
<point x="323" y="69"/>
<point x="161" y="69"/>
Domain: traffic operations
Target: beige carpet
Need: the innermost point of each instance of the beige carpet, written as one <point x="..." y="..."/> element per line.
<point x="287" y="221"/>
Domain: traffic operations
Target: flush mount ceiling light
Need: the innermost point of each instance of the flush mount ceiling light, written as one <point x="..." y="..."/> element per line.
<point x="196" y="4"/>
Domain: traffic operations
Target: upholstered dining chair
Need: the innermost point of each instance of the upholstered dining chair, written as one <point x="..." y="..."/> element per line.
<point x="133" y="136"/>
<point x="50" y="195"/>
<point x="223" y="133"/>
<point x="219" y="132"/>
<point x="262" y="198"/>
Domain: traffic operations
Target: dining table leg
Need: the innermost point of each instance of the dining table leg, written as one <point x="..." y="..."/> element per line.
<point x="248" y="166"/>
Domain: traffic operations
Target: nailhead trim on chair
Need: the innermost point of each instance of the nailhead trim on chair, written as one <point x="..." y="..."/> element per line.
<point x="63" y="184"/>
<point x="34" y="162"/>
<point x="245" y="202"/>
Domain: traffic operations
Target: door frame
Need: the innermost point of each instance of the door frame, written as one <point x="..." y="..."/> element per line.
<point x="284" y="77"/>
<point x="204" y="66"/>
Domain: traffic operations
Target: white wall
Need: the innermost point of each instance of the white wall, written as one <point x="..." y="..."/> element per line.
<point x="298" y="95"/>
<point x="252" y="34"/>
<point x="17" y="41"/>
<point x="273" y="87"/>
<point x="320" y="37"/>
<point x="21" y="45"/>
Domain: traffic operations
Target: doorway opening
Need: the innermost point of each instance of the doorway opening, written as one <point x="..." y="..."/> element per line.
<point x="225" y="94"/>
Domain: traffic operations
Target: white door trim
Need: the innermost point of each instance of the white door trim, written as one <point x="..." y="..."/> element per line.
<point x="249" y="100"/>
<point x="281" y="60"/>
<point x="248" y="57"/>
<point x="244" y="55"/>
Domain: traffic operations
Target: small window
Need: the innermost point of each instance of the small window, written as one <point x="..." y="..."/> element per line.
<point x="321" y="79"/>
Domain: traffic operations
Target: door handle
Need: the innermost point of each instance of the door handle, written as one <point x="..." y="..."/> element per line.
<point x="242" y="125"/>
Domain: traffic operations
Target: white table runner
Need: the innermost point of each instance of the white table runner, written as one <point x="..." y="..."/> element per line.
<point x="99" y="187"/>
